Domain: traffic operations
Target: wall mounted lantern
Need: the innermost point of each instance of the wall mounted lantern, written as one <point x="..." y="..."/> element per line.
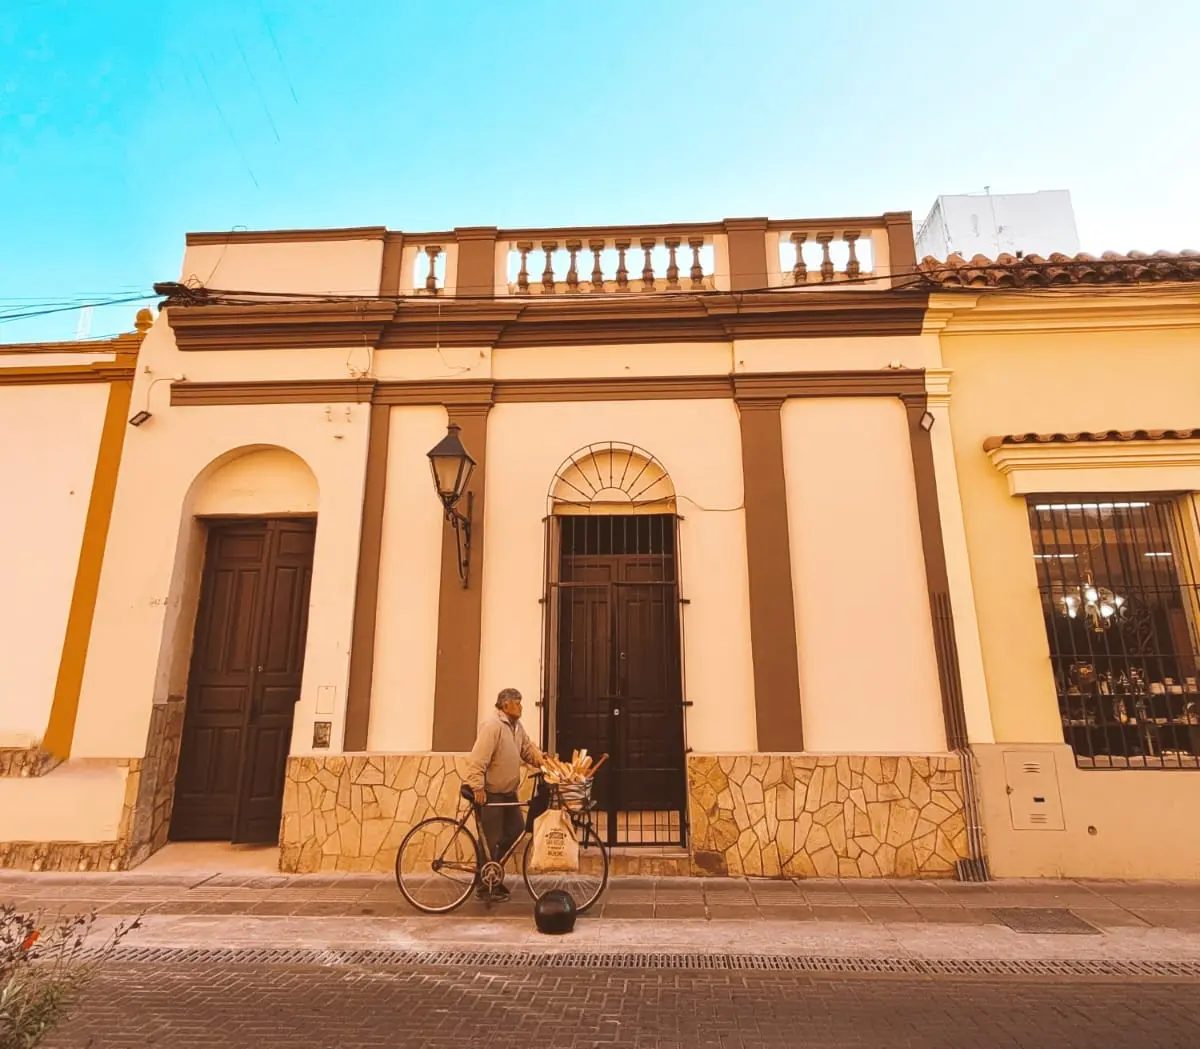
<point x="452" y="468"/>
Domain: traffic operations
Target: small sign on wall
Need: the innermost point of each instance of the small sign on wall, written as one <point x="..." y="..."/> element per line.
<point x="322" y="731"/>
<point x="326" y="694"/>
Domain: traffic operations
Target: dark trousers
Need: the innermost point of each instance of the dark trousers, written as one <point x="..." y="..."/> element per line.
<point x="502" y="826"/>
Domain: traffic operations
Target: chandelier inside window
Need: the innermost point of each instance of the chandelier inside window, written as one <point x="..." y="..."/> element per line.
<point x="1097" y="605"/>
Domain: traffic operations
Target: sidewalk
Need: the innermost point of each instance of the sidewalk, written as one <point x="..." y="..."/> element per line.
<point x="236" y="903"/>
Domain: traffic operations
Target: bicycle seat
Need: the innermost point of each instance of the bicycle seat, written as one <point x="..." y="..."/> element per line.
<point x="466" y="793"/>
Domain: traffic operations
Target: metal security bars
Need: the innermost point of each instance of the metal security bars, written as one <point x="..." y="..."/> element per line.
<point x="1120" y="605"/>
<point x="613" y="668"/>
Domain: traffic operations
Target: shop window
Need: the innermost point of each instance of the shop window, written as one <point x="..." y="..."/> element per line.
<point x="1120" y="603"/>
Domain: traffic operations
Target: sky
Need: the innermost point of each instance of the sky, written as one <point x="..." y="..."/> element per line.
<point x="125" y="125"/>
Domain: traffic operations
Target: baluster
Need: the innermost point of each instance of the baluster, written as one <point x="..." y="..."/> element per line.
<point x="573" y="247"/>
<point x="672" y="244"/>
<point x="697" y="274"/>
<point x="852" y="266"/>
<point x="524" y="247"/>
<point x="549" y="247"/>
<point x="799" y="270"/>
<point x="596" y="246"/>
<point x="648" y="266"/>
<point x="826" y="262"/>
<point x="433" y="251"/>
<point x="622" y="272"/>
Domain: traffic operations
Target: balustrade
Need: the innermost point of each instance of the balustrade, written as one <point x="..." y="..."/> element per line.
<point x="813" y="254"/>
<point x="599" y="262"/>
<point x="654" y="260"/>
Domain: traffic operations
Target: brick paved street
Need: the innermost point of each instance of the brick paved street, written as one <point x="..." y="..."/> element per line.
<point x="272" y="1007"/>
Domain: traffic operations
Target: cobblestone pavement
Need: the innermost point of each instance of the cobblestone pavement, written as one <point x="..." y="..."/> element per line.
<point x="272" y="1007"/>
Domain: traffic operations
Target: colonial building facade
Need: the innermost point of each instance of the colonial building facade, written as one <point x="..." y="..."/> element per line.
<point x="715" y="511"/>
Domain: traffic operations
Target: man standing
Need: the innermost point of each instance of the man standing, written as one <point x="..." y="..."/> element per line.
<point x="494" y="773"/>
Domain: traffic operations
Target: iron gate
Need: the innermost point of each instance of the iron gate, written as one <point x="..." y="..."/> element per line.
<point x="614" y="681"/>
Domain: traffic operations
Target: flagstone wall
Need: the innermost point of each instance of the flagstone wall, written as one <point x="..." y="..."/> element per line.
<point x="801" y="816"/>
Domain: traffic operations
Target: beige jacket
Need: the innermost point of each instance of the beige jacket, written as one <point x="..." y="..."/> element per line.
<point x="495" y="761"/>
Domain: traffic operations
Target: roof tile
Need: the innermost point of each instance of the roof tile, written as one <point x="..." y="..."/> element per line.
<point x="1086" y="436"/>
<point x="1033" y="271"/>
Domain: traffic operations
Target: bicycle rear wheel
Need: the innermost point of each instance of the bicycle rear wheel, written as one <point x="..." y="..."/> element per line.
<point x="437" y="865"/>
<point x="586" y="884"/>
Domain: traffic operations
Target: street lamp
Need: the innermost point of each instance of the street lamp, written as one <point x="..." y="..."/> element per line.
<point x="452" y="468"/>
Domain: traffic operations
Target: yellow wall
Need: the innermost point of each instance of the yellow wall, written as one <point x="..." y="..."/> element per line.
<point x="1044" y="383"/>
<point x="49" y="436"/>
<point x="1115" y="823"/>
<point x="868" y="675"/>
<point x="699" y="444"/>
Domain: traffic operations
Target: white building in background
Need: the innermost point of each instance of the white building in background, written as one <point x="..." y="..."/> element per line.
<point x="993" y="224"/>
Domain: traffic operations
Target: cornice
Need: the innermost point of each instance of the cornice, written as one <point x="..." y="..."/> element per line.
<point x="1065" y="310"/>
<point x="1137" y="465"/>
<point x="563" y="321"/>
<point x="746" y="390"/>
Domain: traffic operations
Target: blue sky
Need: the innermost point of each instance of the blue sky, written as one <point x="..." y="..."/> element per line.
<point x="124" y="125"/>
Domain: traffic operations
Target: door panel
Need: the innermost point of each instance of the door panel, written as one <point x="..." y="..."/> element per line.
<point x="276" y="683"/>
<point x="618" y="663"/>
<point x="245" y="678"/>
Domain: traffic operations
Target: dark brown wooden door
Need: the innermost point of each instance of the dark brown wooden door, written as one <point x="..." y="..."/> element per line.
<point x="247" y="660"/>
<point x="618" y="663"/>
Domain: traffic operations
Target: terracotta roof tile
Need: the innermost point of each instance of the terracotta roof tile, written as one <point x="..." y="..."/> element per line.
<point x="1033" y="271"/>
<point x="1083" y="436"/>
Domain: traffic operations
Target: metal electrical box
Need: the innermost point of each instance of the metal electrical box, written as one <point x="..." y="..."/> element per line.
<point x="1033" y="799"/>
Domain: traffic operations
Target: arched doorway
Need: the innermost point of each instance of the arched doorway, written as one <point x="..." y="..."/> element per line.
<point x="255" y="520"/>
<point x="614" y="679"/>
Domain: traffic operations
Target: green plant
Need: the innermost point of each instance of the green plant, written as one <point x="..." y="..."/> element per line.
<point x="43" y="968"/>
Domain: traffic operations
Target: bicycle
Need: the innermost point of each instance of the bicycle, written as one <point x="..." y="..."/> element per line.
<point x="440" y="862"/>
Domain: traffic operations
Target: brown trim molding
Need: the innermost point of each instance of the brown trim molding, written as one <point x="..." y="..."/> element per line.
<point x="742" y="387"/>
<point x="286" y="236"/>
<point x="68" y="374"/>
<point x="64" y="708"/>
<point x="392" y="265"/>
<point x="936" y="575"/>
<point x="287" y="391"/>
<point x="460" y="610"/>
<point x="747" y="244"/>
<point x="777" y="708"/>
<point x="581" y="320"/>
<point x="366" y="592"/>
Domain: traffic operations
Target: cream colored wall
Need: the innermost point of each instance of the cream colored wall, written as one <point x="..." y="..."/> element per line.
<point x="75" y="802"/>
<point x="868" y="674"/>
<point x="1044" y="383"/>
<point x="49" y="436"/>
<point x="409" y="581"/>
<point x="855" y="353"/>
<point x="257" y="482"/>
<point x="142" y="591"/>
<point x="1117" y="824"/>
<point x="699" y="443"/>
<point x="327" y="267"/>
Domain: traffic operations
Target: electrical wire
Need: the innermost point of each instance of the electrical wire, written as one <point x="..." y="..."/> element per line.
<point x="27" y="314"/>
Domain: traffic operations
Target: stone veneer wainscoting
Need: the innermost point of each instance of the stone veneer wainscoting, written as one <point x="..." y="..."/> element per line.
<point x="834" y="816"/>
<point x="351" y="813"/>
<point x="765" y="815"/>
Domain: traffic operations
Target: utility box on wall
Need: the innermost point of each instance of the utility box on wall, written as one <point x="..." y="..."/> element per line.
<point x="1031" y="780"/>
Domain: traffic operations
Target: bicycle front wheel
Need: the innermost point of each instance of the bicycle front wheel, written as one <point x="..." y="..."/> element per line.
<point x="586" y="884"/>
<point x="437" y="865"/>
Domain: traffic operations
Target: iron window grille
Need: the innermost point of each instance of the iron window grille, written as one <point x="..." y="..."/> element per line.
<point x="1120" y="605"/>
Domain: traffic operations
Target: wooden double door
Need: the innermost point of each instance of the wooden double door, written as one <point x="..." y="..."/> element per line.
<point x="619" y="687"/>
<point x="244" y="681"/>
